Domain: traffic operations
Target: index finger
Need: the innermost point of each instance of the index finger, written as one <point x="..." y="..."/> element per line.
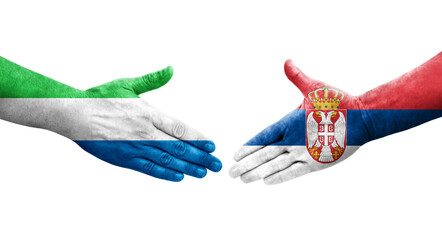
<point x="269" y="135"/>
<point x="182" y="131"/>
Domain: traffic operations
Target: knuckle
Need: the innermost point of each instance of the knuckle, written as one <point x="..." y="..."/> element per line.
<point x="148" y="167"/>
<point x="203" y="158"/>
<point x="179" y="148"/>
<point x="142" y="133"/>
<point x="179" y="130"/>
<point x="147" y="79"/>
<point x="248" y="165"/>
<point x="157" y="120"/>
<point x="242" y="169"/>
<point x="165" y="158"/>
<point x="274" y="166"/>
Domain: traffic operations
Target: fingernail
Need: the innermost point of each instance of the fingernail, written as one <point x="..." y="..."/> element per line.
<point x="216" y="166"/>
<point x="210" y="147"/>
<point x="201" y="172"/>
<point x="179" y="176"/>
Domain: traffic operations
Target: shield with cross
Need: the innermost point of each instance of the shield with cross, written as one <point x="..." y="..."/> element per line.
<point x="326" y="134"/>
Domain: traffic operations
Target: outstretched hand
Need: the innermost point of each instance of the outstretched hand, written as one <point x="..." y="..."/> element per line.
<point x="112" y="123"/>
<point x="316" y="135"/>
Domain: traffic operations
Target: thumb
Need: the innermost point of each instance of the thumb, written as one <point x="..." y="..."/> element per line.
<point x="150" y="81"/>
<point x="303" y="82"/>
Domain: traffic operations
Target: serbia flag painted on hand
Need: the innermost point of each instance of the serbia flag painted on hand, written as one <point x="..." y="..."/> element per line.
<point x="331" y="124"/>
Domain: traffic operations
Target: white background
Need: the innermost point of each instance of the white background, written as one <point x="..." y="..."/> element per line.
<point x="228" y="83"/>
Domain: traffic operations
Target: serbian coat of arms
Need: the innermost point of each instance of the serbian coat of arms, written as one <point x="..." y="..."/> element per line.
<point x="326" y="125"/>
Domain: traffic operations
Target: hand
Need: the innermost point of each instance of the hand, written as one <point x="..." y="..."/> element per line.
<point x="324" y="130"/>
<point x="112" y="123"/>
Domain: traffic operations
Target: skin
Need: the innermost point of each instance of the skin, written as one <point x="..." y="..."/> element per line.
<point x="276" y="163"/>
<point x="127" y="131"/>
<point x="278" y="153"/>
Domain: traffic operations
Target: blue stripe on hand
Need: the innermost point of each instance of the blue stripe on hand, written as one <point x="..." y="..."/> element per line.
<point x="161" y="159"/>
<point x="362" y="126"/>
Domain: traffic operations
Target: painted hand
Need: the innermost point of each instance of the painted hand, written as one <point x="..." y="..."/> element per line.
<point x="112" y="123"/>
<point x="321" y="132"/>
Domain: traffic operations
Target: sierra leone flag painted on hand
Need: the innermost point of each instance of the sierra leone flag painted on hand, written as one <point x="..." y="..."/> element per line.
<point x="110" y="121"/>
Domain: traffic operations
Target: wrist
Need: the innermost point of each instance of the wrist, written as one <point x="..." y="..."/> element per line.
<point x="64" y="115"/>
<point x="53" y="114"/>
<point x="367" y="121"/>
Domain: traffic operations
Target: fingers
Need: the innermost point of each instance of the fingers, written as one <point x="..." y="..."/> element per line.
<point x="279" y="163"/>
<point x="167" y="160"/>
<point x="148" y="167"/>
<point x="187" y="152"/>
<point x="244" y="151"/>
<point x="150" y="81"/>
<point x="304" y="83"/>
<point x="255" y="159"/>
<point x="296" y="170"/>
<point x="181" y="131"/>
<point x="269" y="135"/>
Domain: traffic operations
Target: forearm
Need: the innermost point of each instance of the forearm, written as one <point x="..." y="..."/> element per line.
<point x="51" y="114"/>
<point x="19" y="82"/>
<point x="25" y="98"/>
<point x="410" y="100"/>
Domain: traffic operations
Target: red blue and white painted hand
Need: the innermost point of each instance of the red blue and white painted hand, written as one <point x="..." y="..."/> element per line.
<point x="330" y="125"/>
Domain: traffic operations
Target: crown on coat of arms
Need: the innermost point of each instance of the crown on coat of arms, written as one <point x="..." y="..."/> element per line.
<point x="325" y="98"/>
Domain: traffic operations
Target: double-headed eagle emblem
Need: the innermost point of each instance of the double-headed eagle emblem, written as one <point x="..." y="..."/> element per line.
<point x="326" y="125"/>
